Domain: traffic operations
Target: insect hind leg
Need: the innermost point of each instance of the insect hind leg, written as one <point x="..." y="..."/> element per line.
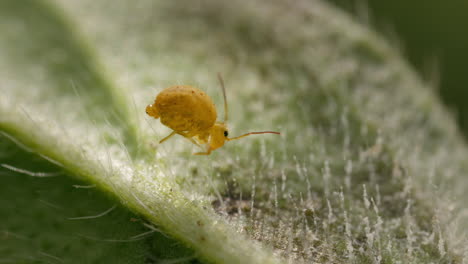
<point x="203" y="153"/>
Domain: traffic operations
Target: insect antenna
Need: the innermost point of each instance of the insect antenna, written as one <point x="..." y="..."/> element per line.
<point x="254" y="133"/>
<point x="221" y="81"/>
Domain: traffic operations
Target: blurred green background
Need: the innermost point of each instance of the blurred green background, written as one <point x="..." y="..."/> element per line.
<point x="434" y="37"/>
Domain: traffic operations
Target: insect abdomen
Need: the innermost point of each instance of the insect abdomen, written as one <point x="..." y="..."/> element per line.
<point x="185" y="108"/>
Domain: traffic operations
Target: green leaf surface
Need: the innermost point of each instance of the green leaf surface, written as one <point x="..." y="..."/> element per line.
<point x="369" y="167"/>
<point x="48" y="217"/>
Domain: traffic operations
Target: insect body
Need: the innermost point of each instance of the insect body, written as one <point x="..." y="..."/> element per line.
<point x="191" y="113"/>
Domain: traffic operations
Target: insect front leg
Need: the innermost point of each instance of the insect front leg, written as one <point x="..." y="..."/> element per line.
<point x="166" y="138"/>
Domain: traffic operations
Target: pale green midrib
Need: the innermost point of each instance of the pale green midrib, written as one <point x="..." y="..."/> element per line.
<point x="214" y="247"/>
<point x="214" y="240"/>
<point x="23" y="136"/>
<point x="149" y="216"/>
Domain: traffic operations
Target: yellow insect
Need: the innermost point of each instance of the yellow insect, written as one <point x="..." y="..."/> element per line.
<point x="191" y="113"/>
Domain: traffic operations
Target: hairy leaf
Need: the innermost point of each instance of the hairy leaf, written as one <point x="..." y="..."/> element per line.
<point x="368" y="167"/>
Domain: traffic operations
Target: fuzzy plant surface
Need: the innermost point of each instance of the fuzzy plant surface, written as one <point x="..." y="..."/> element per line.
<point x="369" y="167"/>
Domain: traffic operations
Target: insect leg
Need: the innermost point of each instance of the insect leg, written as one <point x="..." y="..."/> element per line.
<point x="203" y="153"/>
<point x="166" y="138"/>
<point x="184" y="134"/>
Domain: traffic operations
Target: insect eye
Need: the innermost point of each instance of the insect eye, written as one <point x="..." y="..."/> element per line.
<point x="226" y="133"/>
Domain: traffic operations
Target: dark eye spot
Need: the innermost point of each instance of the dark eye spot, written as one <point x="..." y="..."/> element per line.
<point x="226" y="133"/>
